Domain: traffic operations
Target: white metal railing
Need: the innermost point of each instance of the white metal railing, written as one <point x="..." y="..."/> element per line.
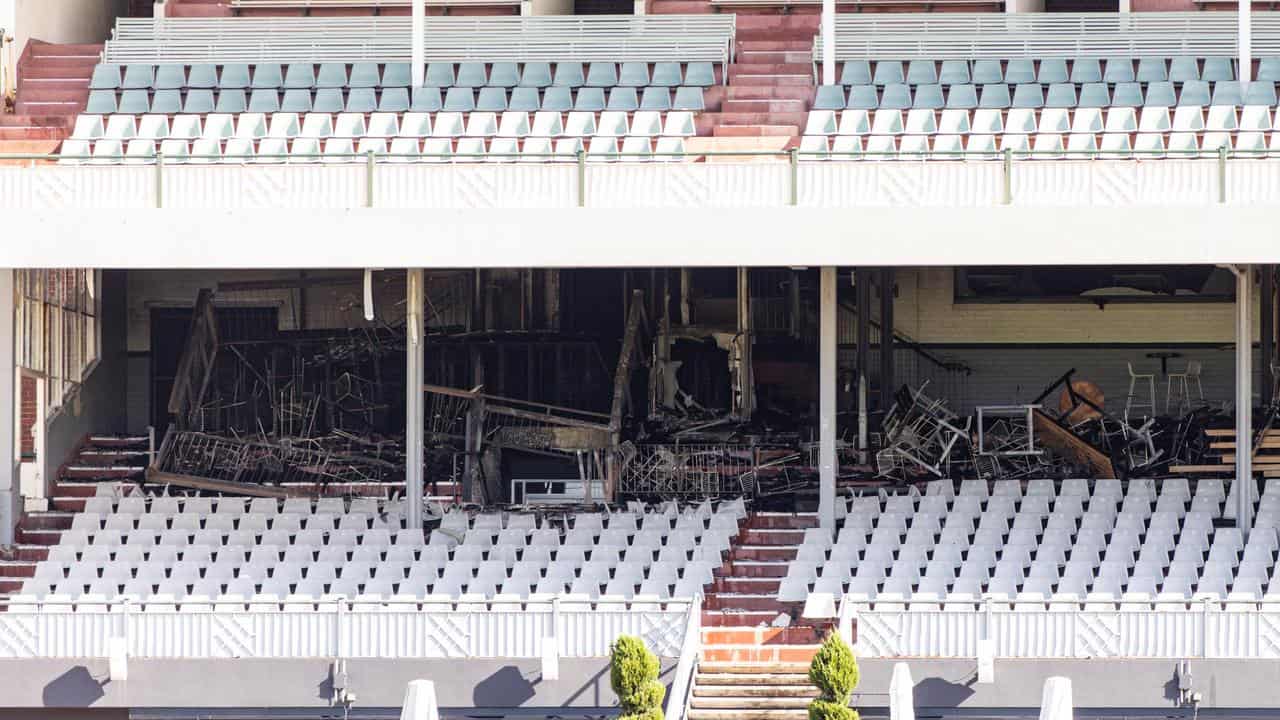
<point x="651" y="38"/>
<point x="388" y="182"/>
<point x="1067" y="629"/>
<point x="687" y="667"/>
<point x="1045" y="35"/>
<point x="404" y="628"/>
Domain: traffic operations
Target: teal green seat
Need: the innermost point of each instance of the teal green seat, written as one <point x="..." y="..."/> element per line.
<point x="362" y="100"/>
<point x="928" y="97"/>
<point x="623" y="98"/>
<point x="699" y="74"/>
<point x="1184" y="69"/>
<point x="922" y="72"/>
<point x="328" y="100"/>
<point x="334" y="75"/>
<point x="896" y="97"/>
<point x="101" y="102"/>
<point x="492" y="99"/>
<point x="962" y="97"/>
<point x="633" y="74"/>
<point x="1151" y="69"/>
<point x="1020" y="70"/>
<point x="1269" y="69"/>
<point x="1215" y="69"/>
<point x="264" y="100"/>
<point x="459" y="99"/>
<point x="365" y="75"/>
<point x="829" y="97"/>
<point x="138" y="76"/>
<point x="136" y="102"/>
<point x="995" y="96"/>
<point x="954" y="72"/>
<point x="986" y="72"/>
<point x="231" y="101"/>
<point x="267" y="76"/>
<point x="1194" y="92"/>
<point x="1092" y="95"/>
<point x="1052" y="70"/>
<point x="166" y="102"/>
<point x="470" y="75"/>
<point x="439" y="75"/>
<point x="855" y="72"/>
<point x="1160" y="94"/>
<point x="1061" y="95"/>
<point x="688" y="98"/>
<point x="1085" y="70"/>
<point x="655" y="98"/>
<point x="569" y="74"/>
<point x="602" y="75"/>
<point x="296" y="100"/>
<point x="558" y="99"/>
<point x="590" y="99"/>
<point x="1118" y="70"/>
<point x="666" y="74"/>
<point x="203" y="76"/>
<point x="106" y="76"/>
<point x="888" y="72"/>
<point x="300" y="76"/>
<point x="525" y="99"/>
<point x="199" y="102"/>
<point x="1261" y="92"/>
<point x="536" y="75"/>
<point x="504" y="75"/>
<point x="395" y="75"/>
<point x="426" y="99"/>
<point x="861" y="97"/>
<point x="1226" y="92"/>
<point x="1028" y="95"/>
<point x="393" y="99"/>
<point x="235" y="76"/>
<point x="1127" y="95"/>
<point x="170" y="77"/>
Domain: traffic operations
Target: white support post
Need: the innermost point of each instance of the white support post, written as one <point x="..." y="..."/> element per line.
<point x="1244" y="398"/>
<point x="828" y="42"/>
<point x="827" y="338"/>
<point x="9" y="491"/>
<point x="413" y="402"/>
<point x="417" y="43"/>
<point x="1246" y="41"/>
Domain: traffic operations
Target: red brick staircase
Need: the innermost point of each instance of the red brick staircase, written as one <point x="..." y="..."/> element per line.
<point x="770" y="84"/>
<point x="53" y="86"/>
<point x="748" y="669"/>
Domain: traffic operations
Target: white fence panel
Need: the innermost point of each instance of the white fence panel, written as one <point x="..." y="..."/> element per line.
<point x="1176" y="182"/>
<point x="1253" y="182"/>
<point x="710" y="184"/>
<point x="1043" y="182"/>
<point x="475" y="186"/>
<point x="950" y="634"/>
<point x="931" y="183"/>
<point x="271" y="186"/>
<point x="117" y="186"/>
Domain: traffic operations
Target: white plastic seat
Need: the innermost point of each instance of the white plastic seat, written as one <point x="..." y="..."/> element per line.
<point x="347" y="125"/>
<point x="283" y="125"/>
<point x="1053" y="120"/>
<point x="854" y="122"/>
<point x="481" y="125"/>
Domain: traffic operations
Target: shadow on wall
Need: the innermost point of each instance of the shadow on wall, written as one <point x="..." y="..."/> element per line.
<point x="73" y="688"/>
<point x="506" y="688"/>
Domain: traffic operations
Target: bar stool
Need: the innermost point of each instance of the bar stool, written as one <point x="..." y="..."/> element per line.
<point x="1182" y="383"/>
<point x="1133" y="401"/>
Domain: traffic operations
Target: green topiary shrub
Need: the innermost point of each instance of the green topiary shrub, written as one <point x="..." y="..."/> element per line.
<point x="834" y="671"/>
<point x="633" y="673"/>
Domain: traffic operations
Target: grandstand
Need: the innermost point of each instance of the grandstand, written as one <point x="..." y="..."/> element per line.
<point x="355" y="342"/>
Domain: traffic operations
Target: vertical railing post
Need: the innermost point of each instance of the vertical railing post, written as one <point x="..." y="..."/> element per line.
<point x="370" y="165"/>
<point x="793" y="157"/>
<point x="554" y="636"/>
<point x="1222" y="175"/>
<point x="1007" y="177"/>
<point x="151" y="445"/>
<point x="339" y="627"/>
<point x="159" y="180"/>
<point x="582" y="177"/>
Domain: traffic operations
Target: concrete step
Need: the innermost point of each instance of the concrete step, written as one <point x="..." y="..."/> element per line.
<point x="38" y="537"/>
<point x="748" y="703"/>
<point x="747" y="585"/>
<point x="42" y="49"/>
<point x="10" y="587"/>
<point x="776" y="56"/>
<point x="708" y="714"/>
<point x="49" y="107"/>
<point x="783" y="537"/>
<point x="762" y="552"/>
<point x="679" y="7"/>
<point x="774" y="46"/>
<point x="46" y="521"/>
<point x="754" y="668"/>
<point x="17" y="569"/>
<point x="793" y="635"/>
<point x="802" y="521"/>
<point x="30" y="553"/>
<point x="763" y="106"/>
<point x="746" y="691"/>
<point x="737" y="681"/>
<point x="742" y="601"/>
<point x="98" y="472"/>
<point x="758" y="653"/>
<point x="756" y="131"/>
<point x="750" y="76"/>
<point x="732" y="618"/>
<point x="759" y="568"/>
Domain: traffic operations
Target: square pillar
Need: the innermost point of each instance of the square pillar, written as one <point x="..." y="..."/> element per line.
<point x="414" y="410"/>
<point x="827" y="337"/>
<point x="10" y="495"/>
<point x="1244" y="399"/>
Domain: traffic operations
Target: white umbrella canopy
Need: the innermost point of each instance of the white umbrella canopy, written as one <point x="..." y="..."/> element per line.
<point x="901" y="698"/>
<point x="1055" y="703"/>
<point x="420" y="701"/>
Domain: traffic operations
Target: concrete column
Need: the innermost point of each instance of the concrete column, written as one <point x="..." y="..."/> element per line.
<point x="746" y="333"/>
<point x="828" y="42"/>
<point x="10" y="497"/>
<point x="1244" y="398"/>
<point x="887" y="380"/>
<point x="417" y="44"/>
<point x="862" y="355"/>
<point x="1267" y="335"/>
<point x="1246" y="41"/>
<point x="414" y="411"/>
<point x="827" y="313"/>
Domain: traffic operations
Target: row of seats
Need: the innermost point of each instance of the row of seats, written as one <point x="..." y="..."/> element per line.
<point x="1184" y="118"/>
<point x="1048" y="70"/>
<point x="137" y="547"/>
<point x="1041" y="146"/>
<point x="1111" y="542"/>
<point x="329" y="602"/>
<point x="368" y="100"/>
<point x="306" y="76"/>
<point x="1037" y="95"/>
<point x="320" y="126"/>
<point x="401" y="150"/>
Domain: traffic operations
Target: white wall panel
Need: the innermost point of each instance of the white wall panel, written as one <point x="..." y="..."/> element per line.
<point x="711" y="184"/>
<point x="50" y="187"/>
<point x="264" y="186"/>
<point x="475" y="185"/>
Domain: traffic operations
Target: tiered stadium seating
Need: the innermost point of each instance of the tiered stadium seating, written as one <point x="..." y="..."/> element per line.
<point x="1118" y="107"/>
<point x="302" y="112"/>
<point x="198" y="550"/>
<point x="1088" y="542"/>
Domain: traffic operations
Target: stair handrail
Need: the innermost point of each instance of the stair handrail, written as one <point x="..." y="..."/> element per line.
<point x="844" y="619"/>
<point x="682" y="683"/>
